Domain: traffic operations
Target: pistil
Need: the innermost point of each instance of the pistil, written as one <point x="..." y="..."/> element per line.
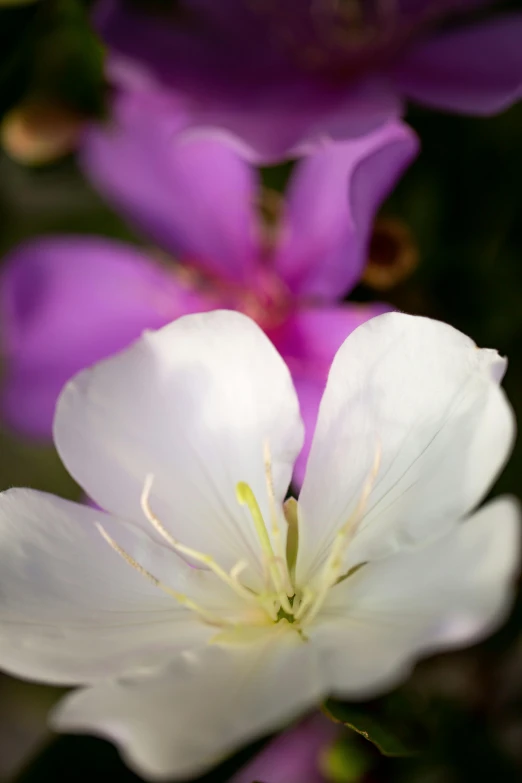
<point x="273" y="564"/>
<point x="280" y="602"/>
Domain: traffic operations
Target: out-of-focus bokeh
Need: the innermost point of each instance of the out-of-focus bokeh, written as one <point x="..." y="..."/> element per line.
<point x="448" y="244"/>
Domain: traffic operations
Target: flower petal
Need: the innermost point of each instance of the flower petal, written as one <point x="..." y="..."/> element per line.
<point x="194" y="404"/>
<point x="195" y="198"/>
<point x="72" y="610"/>
<point x="422" y="396"/>
<point x="294" y="756"/>
<point x="293" y="118"/>
<point x="188" y="718"/>
<point x="308" y="342"/>
<point x="332" y="200"/>
<point x="447" y="594"/>
<point x="236" y="77"/>
<point x="66" y="302"/>
<point x="476" y="70"/>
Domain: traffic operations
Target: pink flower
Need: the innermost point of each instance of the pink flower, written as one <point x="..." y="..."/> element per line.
<point x="295" y="756"/>
<point x="68" y="301"/>
<point x="281" y="74"/>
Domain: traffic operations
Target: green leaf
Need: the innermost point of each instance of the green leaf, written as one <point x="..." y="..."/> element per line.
<point x="369" y="727"/>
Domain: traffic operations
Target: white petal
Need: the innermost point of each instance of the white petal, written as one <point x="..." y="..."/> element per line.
<point x="449" y="593"/>
<point x="200" y="710"/>
<point x="422" y="395"/>
<point x="193" y="404"/>
<point x="72" y="610"/>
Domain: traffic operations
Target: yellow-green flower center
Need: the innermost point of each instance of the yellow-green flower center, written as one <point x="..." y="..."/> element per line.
<point x="280" y="601"/>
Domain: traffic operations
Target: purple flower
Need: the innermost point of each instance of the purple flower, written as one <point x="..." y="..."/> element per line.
<point x="294" y="756"/>
<point x="281" y="75"/>
<point x="68" y="301"/>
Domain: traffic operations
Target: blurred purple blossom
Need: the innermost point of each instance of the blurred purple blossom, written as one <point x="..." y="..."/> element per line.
<point x="69" y="301"/>
<point x="294" y="756"/>
<point x="280" y="75"/>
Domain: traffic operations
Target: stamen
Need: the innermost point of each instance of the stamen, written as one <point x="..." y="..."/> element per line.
<point x="230" y="579"/>
<point x="238" y="569"/>
<point x="246" y="497"/>
<point x="333" y="566"/>
<point x="348" y="530"/>
<point x="182" y="599"/>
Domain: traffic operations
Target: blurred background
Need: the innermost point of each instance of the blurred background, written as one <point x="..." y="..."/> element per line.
<point x="448" y="244"/>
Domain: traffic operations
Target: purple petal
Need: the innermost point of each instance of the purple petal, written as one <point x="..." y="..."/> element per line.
<point x="294" y="756"/>
<point x="194" y="46"/>
<point x="277" y="78"/>
<point x="476" y="70"/>
<point x="308" y="343"/>
<point x="285" y="119"/>
<point x="230" y="63"/>
<point x="66" y="303"/>
<point x="194" y="197"/>
<point x="332" y="199"/>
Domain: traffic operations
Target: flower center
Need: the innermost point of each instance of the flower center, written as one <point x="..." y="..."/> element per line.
<point x="280" y="600"/>
<point x="282" y="615"/>
<point x="328" y="34"/>
<point x="338" y="40"/>
<point x="267" y="301"/>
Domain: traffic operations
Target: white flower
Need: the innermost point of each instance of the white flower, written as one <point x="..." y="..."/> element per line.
<point x="188" y="440"/>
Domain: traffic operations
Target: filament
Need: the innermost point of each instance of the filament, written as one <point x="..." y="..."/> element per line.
<point x="333" y="566"/>
<point x="182" y="599"/>
<point x="230" y="579"/>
